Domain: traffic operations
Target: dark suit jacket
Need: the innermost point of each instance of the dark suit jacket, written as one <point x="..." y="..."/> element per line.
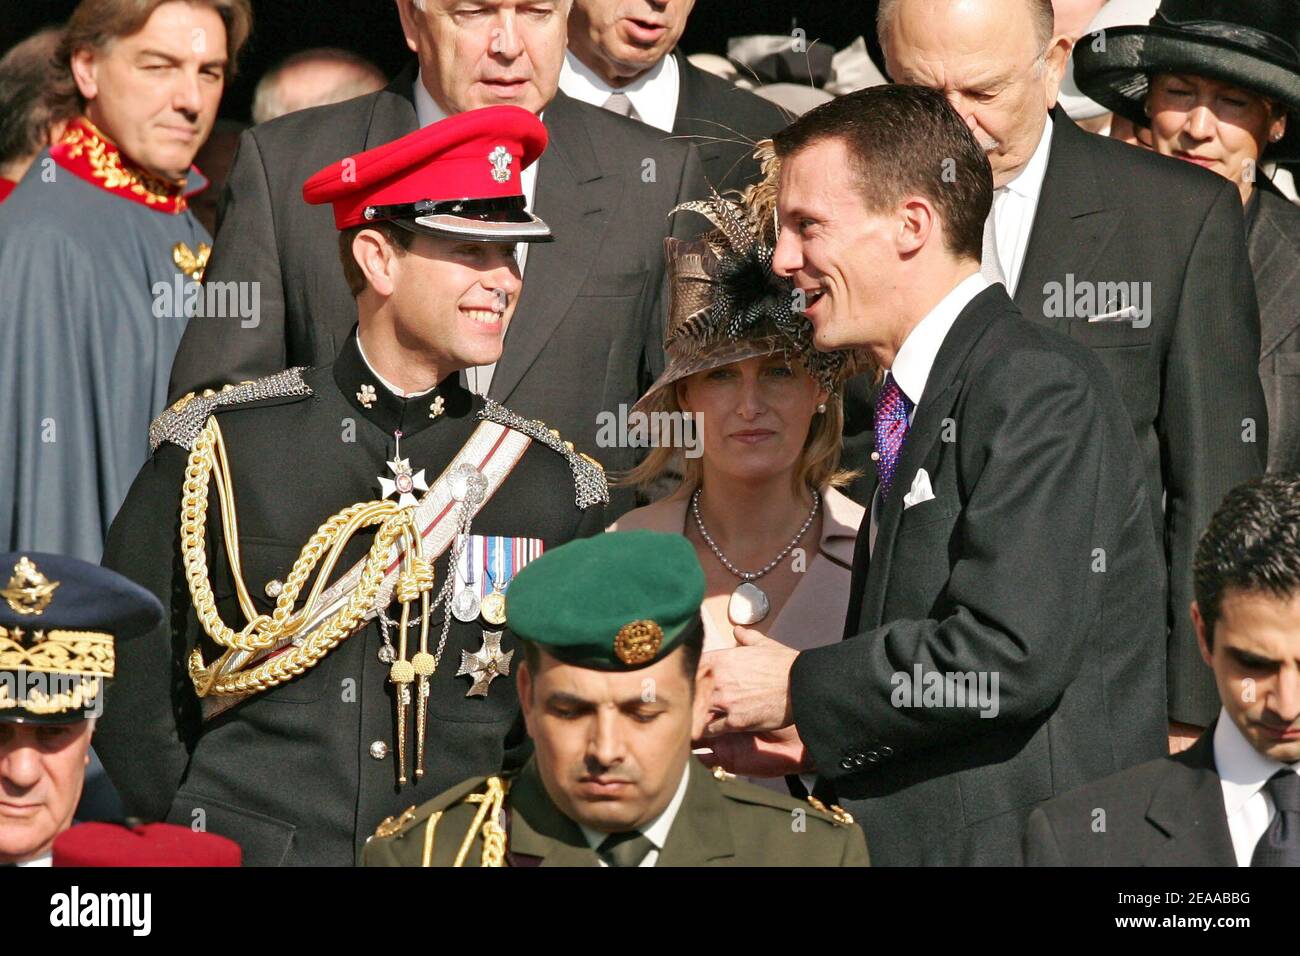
<point x="587" y="334"/>
<point x="1274" y="246"/>
<point x="1189" y="379"/>
<point x="724" y="122"/>
<point x="1035" y="562"/>
<point x="1168" y="812"/>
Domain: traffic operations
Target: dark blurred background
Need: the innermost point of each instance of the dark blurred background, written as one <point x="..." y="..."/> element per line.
<point x="370" y="28"/>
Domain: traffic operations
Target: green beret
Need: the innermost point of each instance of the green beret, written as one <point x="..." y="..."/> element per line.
<point x="617" y="601"/>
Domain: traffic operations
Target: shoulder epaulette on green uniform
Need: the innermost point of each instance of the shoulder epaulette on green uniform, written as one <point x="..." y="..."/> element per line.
<point x="478" y="802"/>
<point x="745" y="792"/>
<point x="181" y="423"/>
<point x="588" y="474"/>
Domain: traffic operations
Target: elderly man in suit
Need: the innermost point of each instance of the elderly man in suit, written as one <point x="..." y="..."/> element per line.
<point x="1233" y="798"/>
<point x="588" y="335"/>
<point x="1087" y="241"/>
<point x="622" y="56"/>
<point x="1004" y="635"/>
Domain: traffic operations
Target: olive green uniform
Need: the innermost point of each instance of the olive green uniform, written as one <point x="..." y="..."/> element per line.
<point x="722" y="822"/>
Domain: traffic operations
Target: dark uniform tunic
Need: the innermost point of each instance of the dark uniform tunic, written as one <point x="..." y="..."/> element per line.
<point x="298" y="774"/>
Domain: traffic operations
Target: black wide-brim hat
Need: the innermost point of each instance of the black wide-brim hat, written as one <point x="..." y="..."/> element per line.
<point x="1253" y="44"/>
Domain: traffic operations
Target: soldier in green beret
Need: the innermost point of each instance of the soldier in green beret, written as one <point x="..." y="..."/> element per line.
<point x="611" y="635"/>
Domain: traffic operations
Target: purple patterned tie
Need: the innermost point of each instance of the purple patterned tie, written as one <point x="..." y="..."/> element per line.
<point x="892" y="409"/>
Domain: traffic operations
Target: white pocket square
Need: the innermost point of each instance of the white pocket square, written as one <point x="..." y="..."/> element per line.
<point x="1128" y="312"/>
<point x="921" y="490"/>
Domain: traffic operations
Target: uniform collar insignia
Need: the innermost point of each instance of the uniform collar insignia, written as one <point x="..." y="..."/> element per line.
<point x="89" y="154"/>
<point x="391" y="412"/>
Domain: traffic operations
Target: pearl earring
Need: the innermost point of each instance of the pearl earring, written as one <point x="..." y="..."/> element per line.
<point x="821" y="409"/>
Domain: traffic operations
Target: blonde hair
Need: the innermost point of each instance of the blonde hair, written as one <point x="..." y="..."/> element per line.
<point x="818" y="466"/>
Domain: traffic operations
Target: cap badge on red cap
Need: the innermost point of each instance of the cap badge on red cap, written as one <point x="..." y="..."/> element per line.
<point x="500" y="159"/>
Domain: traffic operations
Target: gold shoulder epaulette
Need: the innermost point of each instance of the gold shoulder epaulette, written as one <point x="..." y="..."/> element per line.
<point x="588" y="474"/>
<point x="181" y="423"/>
<point x="837" y="813"/>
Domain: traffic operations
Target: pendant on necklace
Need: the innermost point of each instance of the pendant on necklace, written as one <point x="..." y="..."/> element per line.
<point x="748" y="604"/>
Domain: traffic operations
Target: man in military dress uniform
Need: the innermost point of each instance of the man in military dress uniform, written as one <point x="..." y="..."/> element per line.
<point x="334" y="545"/>
<point x="612" y="696"/>
<point x="59" y="621"/>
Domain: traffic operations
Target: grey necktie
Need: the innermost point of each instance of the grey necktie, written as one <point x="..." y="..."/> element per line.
<point x="1280" y="844"/>
<point x="624" y="849"/>
<point x="620" y="104"/>
<point x="990" y="265"/>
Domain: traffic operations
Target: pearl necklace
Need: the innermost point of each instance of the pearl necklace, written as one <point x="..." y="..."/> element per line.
<point x="749" y="603"/>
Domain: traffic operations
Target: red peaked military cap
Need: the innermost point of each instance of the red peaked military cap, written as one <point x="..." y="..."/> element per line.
<point x="457" y="178"/>
<point x="149" y="844"/>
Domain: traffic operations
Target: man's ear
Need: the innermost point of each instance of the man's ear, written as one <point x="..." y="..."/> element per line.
<point x="1198" y="622"/>
<point x="524" y="688"/>
<point x="1055" y="59"/>
<point x="376" y="257"/>
<point x="407" y="13"/>
<point x="84" y="72"/>
<point x="916" y="225"/>
<point x="700" y="708"/>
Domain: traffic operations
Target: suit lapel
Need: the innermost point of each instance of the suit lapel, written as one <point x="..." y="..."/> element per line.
<point x="701" y="831"/>
<point x="1275" y="261"/>
<point x="393" y="113"/>
<point x="1071" y="224"/>
<point x="572" y="192"/>
<point x="941" y="390"/>
<point x="1188" y="808"/>
<point x="540" y="835"/>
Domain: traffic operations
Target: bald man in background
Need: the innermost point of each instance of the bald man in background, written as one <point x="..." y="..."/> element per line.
<point x="1086" y="239"/>
<point x="316" y="77"/>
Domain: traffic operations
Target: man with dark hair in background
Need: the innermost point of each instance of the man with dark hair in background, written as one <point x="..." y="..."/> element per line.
<point x="623" y="57"/>
<point x="1233" y="797"/>
<point x="34" y="105"/>
<point x="97" y="246"/>
<point x="1087" y="240"/>
<point x="1003" y="637"/>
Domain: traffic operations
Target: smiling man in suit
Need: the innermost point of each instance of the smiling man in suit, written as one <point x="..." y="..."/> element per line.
<point x="623" y="57"/>
<point x="591" y="312"/>
<point x="1004" y="635"/>
<point x="1233" y="798"/>
<point x="1087" y="240"/>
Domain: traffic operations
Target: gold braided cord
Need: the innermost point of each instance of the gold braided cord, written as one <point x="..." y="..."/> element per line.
<point x="426" y="859"/>
<point x="494" y="838"/>
<point x="207" y="459"/>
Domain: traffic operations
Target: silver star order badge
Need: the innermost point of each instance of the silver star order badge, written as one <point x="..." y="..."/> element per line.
<point x="485" y="664"/>
<point x="403" y="482"/>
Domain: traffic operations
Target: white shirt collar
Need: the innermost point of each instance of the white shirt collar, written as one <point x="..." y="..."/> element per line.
<point x="654" y="93"/>
<point x="912" y="364"/>
<point x="427" y="111"/>
<point x="658" y="829"/>
<point x="47" y="860"/>
<point x="1242" y="769"/>
<point x="385" y="382"/>
<point x="1029" y="181"/>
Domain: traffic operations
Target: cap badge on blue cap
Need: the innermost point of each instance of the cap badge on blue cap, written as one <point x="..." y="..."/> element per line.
<point x="638" y="642"/>
<point x="29" y="591"/>
<point x="501" y="160"/>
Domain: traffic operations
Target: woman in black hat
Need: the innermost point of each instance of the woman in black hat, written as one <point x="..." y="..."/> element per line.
<point x="1215" y="81"/>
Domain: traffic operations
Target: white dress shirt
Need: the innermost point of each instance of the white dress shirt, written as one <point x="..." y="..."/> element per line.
<point x="656" y="831"/>
<point x="653" y="94"/>
<point x="1243" y="771"/>
<point x="915" y="358"/>
<point x="427" y="112"/>
<point x="40" y="861"/>
<point x="1014" y="206"/>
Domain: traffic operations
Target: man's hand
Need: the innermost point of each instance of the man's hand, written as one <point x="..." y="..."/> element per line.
<point x="773" y="753"/>
<point x="1182" y="736"/>
<point x="751" y="685"/>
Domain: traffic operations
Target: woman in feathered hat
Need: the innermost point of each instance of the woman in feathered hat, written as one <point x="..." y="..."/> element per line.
<point x="1216" y="81"/>
<point x="757" y="494"/>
